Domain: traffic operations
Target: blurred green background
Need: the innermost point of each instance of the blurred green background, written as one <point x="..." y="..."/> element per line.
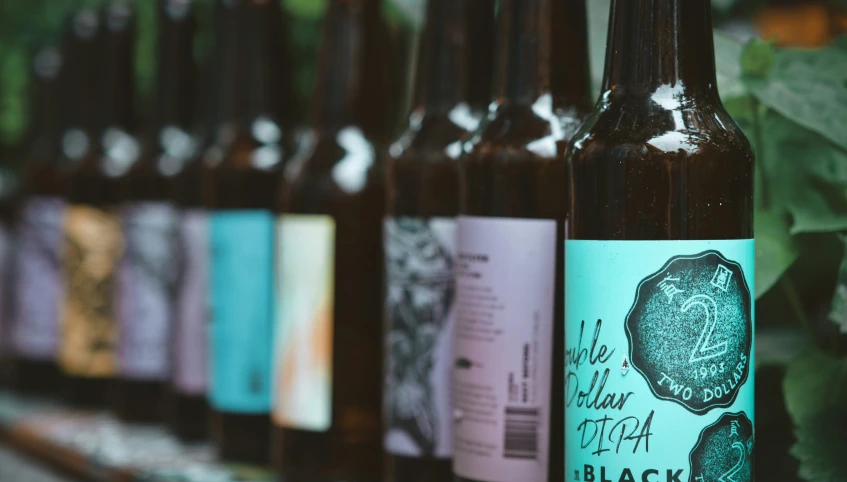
<point x="782" y="68"/>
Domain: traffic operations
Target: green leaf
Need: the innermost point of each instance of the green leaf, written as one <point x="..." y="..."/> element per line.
<point x="14" y="70"/>
<point x="757" y="59"/>
<point x="814" y="382"/>
<point x="727" y="62"/>
<point x="821" y="446"/>
<point x="815" y="388"/>
<point x="775" y="250"/>
<point x="810" y="88"/>
<point x="805" y="174"/>
<point x="312" y="9"/>
<point x="815" y="212"/>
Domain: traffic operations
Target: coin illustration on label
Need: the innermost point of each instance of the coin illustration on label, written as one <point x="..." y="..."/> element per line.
<point x="690" y="331"/>
<point x="724" y="451"/>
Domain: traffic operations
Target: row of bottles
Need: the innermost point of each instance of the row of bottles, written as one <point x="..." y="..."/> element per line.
<point x="362" y="311"/>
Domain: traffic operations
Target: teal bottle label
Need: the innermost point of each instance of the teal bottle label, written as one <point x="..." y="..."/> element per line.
<point x="241" y="294"/>
<point x="659" y="361"/>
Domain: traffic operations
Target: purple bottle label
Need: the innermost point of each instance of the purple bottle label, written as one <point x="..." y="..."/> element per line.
<point x="147" y="279"/>
<point x="39" y="234"/>
<point x="192" y="315"/>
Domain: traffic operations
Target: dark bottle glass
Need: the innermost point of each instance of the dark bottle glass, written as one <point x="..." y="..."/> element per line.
<point x="92" y="244"/>
<point x="327" y="410"/>
<point x="9" y="199"/>
<point x="148" y="272"/>
<point x="452" y="92"/>
<point x="661" y="180"/>
<point x="38" y="235"/>
<point x="509" y="348"/>
<point x="244" y="166"/>
<point x="187" y="408"/>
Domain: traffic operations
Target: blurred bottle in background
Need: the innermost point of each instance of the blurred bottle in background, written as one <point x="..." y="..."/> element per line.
<point x="9" y="199"/>
<point x="187" y="409"/>
<point x="39" y="231"/>
<point x="510" y="271"/>
<point x="328" y="360"/>
<point x="244" y="168"/>
<point x="92" y="234"/>
<point x="453" y="88"/>
<point x="150" y="266"/>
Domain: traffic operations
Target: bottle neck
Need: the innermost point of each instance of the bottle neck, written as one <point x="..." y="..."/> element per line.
<point x="80" y="75"/>
<point x="339" y="98"/>
<point x="442" y="75"/>
<point x="118" y="74"/>
<point x="543" y="50"/>
<point x="46" y="94"/>
<point x="656" y="43"/>
<point x="479" y="19"/>
<point x="176" y="64"/>
<point x="252" y="62"/>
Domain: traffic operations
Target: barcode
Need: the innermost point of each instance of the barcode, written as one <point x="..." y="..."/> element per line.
<point x="521" y="433"/>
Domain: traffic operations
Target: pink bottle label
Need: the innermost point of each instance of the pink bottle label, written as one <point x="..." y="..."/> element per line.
<point x="192" y="313"/>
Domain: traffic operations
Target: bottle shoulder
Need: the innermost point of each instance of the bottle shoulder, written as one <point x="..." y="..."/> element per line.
<point x="331" y="164"/>
<point x="540" y="130"/>
<point x="665" y="126"/>
<point x="259" y="147"/>
<point x="433" y="138"/>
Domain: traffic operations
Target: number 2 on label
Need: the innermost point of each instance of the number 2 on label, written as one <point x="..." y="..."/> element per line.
<point x="704" y="350"/>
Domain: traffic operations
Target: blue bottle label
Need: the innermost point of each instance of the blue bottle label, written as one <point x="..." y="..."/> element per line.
<point x="659" y="361"/>
<point x="241" y="294"/>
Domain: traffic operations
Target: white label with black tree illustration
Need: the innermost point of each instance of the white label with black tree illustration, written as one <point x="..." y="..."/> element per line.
<point x="506" y="272"/>
<point x="420" y="318"/>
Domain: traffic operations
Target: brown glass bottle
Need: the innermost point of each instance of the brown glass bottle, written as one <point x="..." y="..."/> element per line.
<point x="328" y="358"/>
<point x="244" y="168"/>
<point x="453" y="86"/>
<point x="513" y="211"/>
<point x="661" y="178"/>
<point x="38" y="235"/>
<point x="88" y="339"/>
<point x="9" y="199"/>
<point x="148" y="271"/>
<point x="186" y="407"/>
<point x="684" y="176"/>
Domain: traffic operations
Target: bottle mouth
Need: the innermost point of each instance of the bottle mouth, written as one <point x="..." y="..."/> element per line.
<point x="178" y="9"/>
<point x="85" y="24"/>
<point x="118" y="16"/>
<point x="48" y="63"/>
